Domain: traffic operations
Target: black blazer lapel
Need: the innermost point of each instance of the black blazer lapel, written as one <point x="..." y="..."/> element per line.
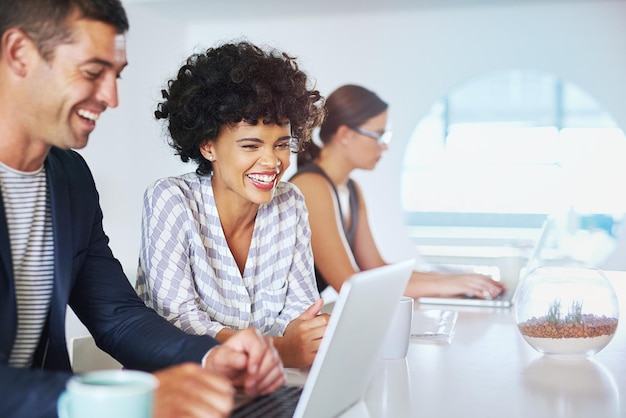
<point x="59" y="192"/>
<point x="58" y="188"/>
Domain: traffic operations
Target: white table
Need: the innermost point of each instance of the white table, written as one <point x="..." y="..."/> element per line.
<point x="488" y="370"/>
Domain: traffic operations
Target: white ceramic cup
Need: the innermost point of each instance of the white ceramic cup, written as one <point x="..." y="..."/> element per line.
<point x="396" y="343"/>
<point x="108" y="394"/>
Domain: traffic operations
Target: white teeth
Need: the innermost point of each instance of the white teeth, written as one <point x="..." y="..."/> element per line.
<point x="261" y="178"/>
<point x="88" y="115"/>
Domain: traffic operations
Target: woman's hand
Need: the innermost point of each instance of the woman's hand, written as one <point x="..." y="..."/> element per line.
<point x="453" y="284"/>
<point x="301" y="340"/>
<point x="476" y="285"/>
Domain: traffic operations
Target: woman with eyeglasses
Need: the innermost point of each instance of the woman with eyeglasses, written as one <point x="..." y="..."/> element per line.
<point x="354" y="136"/>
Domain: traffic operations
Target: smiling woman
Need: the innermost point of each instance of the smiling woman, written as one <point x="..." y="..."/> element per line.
<point x="227" y="247"/>
<point x="254" y="156"/>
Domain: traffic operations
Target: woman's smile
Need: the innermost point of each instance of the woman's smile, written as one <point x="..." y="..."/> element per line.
<point x="263" y="181"/>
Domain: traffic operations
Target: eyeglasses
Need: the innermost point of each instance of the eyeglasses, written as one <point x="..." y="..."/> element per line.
<point x="382" y="139"/>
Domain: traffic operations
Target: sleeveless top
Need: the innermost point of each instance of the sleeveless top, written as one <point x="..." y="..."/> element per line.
<point x="350" y="232"/>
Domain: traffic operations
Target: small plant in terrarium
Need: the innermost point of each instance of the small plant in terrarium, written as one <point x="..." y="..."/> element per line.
<point x="575" y="314"/>
<point x="554" y="312"/>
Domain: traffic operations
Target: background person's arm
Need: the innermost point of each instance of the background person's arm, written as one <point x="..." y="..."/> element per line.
<point x="365" y="249"/>
<point x="452" y="284"/>
<point x="422" y="283"/>
<point x="331" y="251"/>
<point x="336" y="262"/>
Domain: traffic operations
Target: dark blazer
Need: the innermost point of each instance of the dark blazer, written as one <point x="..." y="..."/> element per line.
<point x="89" y="279"/>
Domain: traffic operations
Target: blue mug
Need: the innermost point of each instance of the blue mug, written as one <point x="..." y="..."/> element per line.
<point x="108" y="393"/>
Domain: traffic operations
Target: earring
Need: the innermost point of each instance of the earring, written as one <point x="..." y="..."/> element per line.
<point x="211" y="157"/>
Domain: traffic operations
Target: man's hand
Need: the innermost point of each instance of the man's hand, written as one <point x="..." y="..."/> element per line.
<point x="250" y="361"/>
<point x="188" y="390"/>
<point x="301" y="340"/>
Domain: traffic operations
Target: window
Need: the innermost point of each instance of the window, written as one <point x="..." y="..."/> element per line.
<point x="499" y="153"/>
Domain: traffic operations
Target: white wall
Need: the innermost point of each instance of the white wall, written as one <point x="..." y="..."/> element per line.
<point x="410" y="58"/>
<point x="126" y="151"/>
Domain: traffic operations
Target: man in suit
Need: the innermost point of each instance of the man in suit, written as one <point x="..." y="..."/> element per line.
<point x="59" y="62"/>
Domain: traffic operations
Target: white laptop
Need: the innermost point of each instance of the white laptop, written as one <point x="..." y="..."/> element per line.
<point x="506" y="298"/>
<point x="340" y="374"/>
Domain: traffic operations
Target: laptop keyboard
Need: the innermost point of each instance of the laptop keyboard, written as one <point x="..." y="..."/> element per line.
<point x="281" y="403"/>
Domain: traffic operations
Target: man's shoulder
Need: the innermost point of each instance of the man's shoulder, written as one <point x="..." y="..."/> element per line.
<point x="66" y="158"/>
<point x="64" y="153"/>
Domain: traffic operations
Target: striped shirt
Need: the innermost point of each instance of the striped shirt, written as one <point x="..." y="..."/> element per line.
<point x="29" y="220"/>
<point x="188" y="274"/>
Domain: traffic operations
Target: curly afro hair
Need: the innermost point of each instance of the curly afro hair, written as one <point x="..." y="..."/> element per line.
<point x="237" y="82"/>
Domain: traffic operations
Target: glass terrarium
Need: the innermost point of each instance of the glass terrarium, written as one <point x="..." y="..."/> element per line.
<point x="566" y="311"/>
